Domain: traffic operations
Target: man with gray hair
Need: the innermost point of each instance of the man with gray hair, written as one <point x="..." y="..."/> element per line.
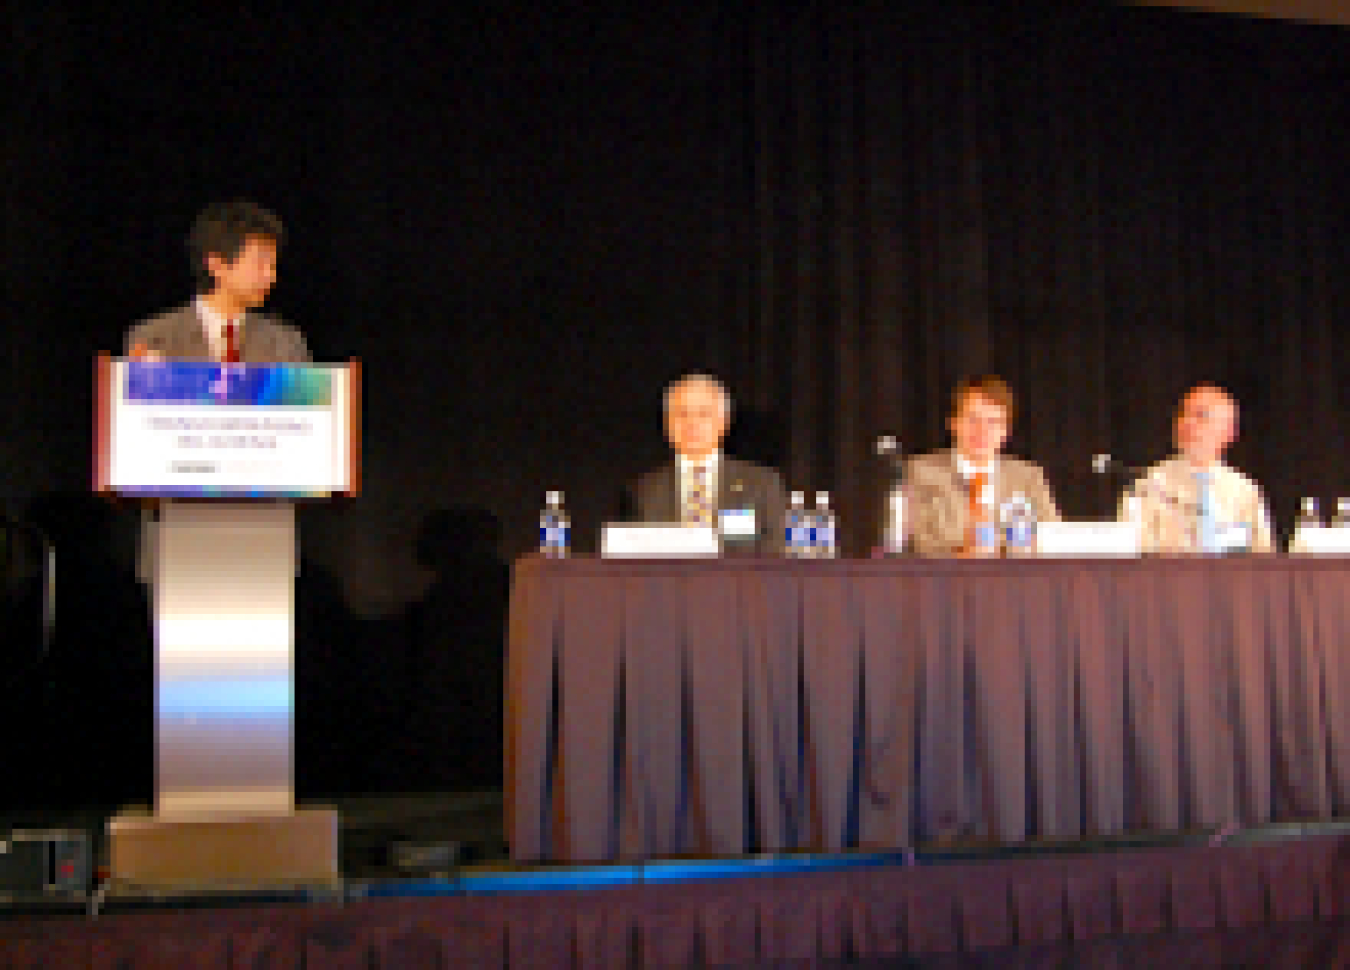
<point x="702" y="486"/>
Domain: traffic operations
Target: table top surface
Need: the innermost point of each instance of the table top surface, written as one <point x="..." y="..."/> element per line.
<point x="534" y="564"/>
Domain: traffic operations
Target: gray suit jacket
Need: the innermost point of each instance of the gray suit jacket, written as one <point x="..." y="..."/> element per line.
<point x="655" y="497"/>
<point x="939" y="505"/>
<point x="178" y="335"/>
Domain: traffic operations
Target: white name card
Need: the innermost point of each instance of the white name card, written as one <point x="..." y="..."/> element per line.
<point x="1320" y="541"/>
<point x="658" y="541"/>
<point x="1086" y="539"/>
<point x="738" y="523"/>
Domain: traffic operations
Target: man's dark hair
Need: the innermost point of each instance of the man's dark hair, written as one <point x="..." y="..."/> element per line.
<point x="222" y="228"/>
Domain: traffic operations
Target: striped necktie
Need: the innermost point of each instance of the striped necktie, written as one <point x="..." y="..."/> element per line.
<point x="975" y="511"/>
<point x="698" y="503"/>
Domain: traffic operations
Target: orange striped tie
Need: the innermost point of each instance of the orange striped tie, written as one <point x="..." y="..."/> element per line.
<point x="976" y="510"/>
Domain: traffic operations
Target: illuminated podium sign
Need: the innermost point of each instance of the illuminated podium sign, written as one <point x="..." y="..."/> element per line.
<point x="204" y="430"/>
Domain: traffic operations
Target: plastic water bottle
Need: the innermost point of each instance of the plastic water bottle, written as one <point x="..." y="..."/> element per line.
<point x="986" y="528"/>
<point x="1308" y="516"/>
<point x="1342" y="519"/>
<point x="796" y="528"/>
<point x="826" y="528"/>
<point x="555" y="528"/>
<point x="1019" y="526"/>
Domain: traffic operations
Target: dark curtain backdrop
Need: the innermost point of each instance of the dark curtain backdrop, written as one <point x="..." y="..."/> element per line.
<point x="527" y="218"/>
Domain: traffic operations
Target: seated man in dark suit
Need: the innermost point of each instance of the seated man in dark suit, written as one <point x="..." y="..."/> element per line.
<point x="702" y="483"/>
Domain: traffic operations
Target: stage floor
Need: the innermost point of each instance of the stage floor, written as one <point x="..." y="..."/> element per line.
<point x="430" y="844"/>
<point x="427" y="882"/>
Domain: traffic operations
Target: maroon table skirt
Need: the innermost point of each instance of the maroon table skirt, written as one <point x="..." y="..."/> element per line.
<point x="661" y="708"/>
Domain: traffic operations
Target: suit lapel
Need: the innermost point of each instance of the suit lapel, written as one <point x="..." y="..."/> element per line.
<point x="731" y="486"/>
<point x="959" y="489"/>
<point x="190" y="338"/>
<point x="670" y="494"/>
<point x="254" y="344"/>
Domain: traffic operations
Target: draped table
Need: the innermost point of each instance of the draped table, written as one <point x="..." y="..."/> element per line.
<point x="659" y="708"/>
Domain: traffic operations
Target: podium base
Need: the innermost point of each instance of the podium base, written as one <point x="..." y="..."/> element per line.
<point x="217" y="850"/>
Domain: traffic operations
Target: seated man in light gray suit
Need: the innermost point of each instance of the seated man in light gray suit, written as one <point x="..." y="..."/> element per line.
<point x="941" y="485"/>
<point x="233" y="248"/>
<point x="1177" y="494"/>
<point x="702" y="482"/>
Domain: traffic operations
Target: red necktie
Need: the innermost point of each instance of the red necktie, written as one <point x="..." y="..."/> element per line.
<point x="231" y="344"/>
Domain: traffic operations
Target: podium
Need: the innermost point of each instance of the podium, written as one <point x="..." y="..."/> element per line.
<point x="219" y="454"/>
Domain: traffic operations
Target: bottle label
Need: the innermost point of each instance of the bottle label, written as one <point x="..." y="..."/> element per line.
<point x="553" y="536"/>
<point x="986" y="535"/>
<point x="1020" y="535"/>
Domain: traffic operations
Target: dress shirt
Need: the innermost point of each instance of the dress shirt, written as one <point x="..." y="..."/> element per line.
<point x="213" y="323"/>
<point x="968" y="470"/>
<point x="1169" y="505"/>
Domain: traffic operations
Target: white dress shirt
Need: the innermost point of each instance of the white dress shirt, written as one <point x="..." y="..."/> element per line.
<point x="968" y="470"/>
<point x="1169" y="502"/>
<point x="213" y="324"/>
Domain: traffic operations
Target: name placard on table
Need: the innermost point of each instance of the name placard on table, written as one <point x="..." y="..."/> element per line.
<point x="1087" y="539"/>
<point x="658" y="541"/>
<point x="197" y="429"/>
<point x="1320" y="541"/>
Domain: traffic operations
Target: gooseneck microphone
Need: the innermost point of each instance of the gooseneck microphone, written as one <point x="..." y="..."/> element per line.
<point x="896" y="517"/>
<point x="1104" y="464"/>
<point x="888" y="449"/>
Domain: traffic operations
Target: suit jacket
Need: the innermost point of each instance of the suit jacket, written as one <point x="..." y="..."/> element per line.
<point x="1169" y="503"/>
<point x="655" y="497"/>
<point x="178" y="335"/>
<point x="939" y="504"/>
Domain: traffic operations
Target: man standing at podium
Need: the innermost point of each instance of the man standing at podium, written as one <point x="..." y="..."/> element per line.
<point x="1188" y="500"/>
<point x="945" y="487"/>
<point x="703" y="486"/>
<point x="233" y="247"/>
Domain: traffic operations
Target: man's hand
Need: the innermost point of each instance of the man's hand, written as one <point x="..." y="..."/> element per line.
<point x="142" y="352"/>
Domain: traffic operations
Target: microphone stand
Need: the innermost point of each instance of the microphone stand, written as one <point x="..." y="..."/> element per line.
<point x="897" y="513"/>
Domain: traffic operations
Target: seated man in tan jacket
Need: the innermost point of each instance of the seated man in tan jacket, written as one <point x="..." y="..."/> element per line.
<point x="1194" y="492"/>
<point x="942" y="485"/>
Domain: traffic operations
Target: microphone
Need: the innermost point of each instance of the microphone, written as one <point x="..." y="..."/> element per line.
<point x="888" y="448"/>
<point x="1104" y="464"/>
<point x="896" y="516"/>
